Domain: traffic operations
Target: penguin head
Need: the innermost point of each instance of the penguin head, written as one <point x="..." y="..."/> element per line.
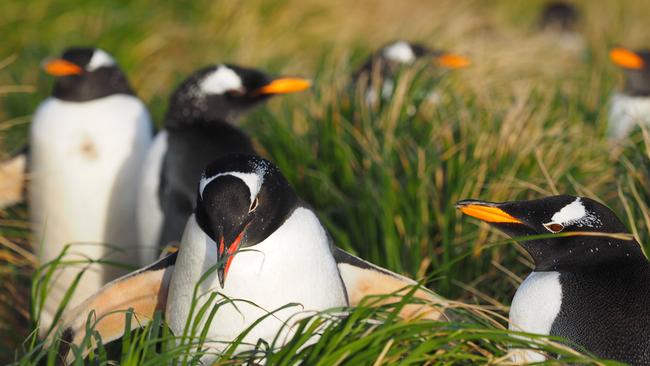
<point x="587" y="231"/>
<point x="559" y="16"/>
<point x="223" y="92"/>
<point x="241" y="200"/>
<point x="402" y="52"/>
<point x="86" y="73"/>
<point x="636" y="65"/>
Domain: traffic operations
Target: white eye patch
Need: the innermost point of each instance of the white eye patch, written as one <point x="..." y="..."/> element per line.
<point x="252" y="180"/>
<point x="100" y="58"/>
<point x="399" y="52"/>
<point x="574" y="213"/>
<point x="220" y="81"/>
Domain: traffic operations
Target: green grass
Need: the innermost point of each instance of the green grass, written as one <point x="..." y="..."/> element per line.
<point x="526" y="120"/>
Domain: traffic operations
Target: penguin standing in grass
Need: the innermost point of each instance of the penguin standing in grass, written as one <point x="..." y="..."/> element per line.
<point x="630" y="107"/>
<point x="378" y="73"/>
<point x="87" y="144"/>
<point x="591" y="281"/>
<point x="199" y="127"/>
<point x="255" y="246"/>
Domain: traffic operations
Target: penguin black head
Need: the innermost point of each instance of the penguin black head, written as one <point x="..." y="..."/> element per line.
<point x="636" y="65"/>
<point x="224" y="92"/>
<point x="559" y="16"/>
<point x="241" y="201"/>
<point x="86" y="73"/>
<point x="586" y="220"/>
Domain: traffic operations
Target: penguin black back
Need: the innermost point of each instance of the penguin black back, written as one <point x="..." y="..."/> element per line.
<point x="86" y="73"/>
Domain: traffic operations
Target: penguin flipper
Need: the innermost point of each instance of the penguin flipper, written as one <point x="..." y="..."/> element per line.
<point x="12" y="180"/>
<point x="362" y="278"/>
<point x="144" y="291"/>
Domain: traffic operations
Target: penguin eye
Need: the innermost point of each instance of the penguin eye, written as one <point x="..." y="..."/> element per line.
<point x="554" y="227"/>
<point x="253" y="205"/>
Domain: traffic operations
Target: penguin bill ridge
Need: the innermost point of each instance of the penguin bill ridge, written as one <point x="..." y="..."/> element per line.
<point x="590" y="285"/>
<point x="250" y="238"/>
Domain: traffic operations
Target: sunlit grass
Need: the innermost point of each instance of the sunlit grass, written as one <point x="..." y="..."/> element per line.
<point x="528" y="119"/>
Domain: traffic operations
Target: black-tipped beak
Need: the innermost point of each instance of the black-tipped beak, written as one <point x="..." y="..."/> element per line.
<point x="229" y="252"/>
<point x="486" y="211"/>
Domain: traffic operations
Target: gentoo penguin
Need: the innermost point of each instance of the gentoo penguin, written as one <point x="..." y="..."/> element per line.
<point x="199" y="127"/>
<point x="559" y="16"/>
<point x="630" y="107"/>
<point x="561" y="21"/>
<point x="591" y="281"/>
<point x="87" y="144"/>
<point x="252" y="240"/>
<point x="379" y="71"/>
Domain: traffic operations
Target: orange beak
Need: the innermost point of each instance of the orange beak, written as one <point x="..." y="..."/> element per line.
<point x="453" y="61"/>
<point x="59" y="67"/>
<point x="626" y="59"/>
<point x="283" y="86"/>
<point x="488" y="213"/>
<point x="222" y="273"/>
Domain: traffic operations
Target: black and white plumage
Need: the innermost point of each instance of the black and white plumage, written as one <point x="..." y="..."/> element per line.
<point x="630" y="107"/>
<point x="87" y="144"/>
<point x="379" y="71"/>
<point x="199" y="127"/>
<point x="263" y="244"/>
<point x="587" y="286"/>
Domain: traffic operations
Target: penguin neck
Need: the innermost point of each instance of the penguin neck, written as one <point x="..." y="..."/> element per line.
<point x="586" y="252"/>
<point x="91" y="86"/>
<point x="637" y="84"/>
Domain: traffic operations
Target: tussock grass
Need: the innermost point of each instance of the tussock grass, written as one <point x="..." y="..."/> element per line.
<point x="527" y="119"/>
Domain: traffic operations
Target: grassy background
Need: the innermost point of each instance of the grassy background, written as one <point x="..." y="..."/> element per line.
<point x="527" y="119"/>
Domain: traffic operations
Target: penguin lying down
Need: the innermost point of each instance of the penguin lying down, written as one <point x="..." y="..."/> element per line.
<point x="250" y="238"/>
<point x="591" y="281"/>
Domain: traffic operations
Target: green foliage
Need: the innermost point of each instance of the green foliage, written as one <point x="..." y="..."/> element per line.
<point x="527" y="119"/>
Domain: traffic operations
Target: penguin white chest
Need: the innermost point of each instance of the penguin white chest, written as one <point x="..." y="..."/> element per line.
<point x="84" y="160"/>
<point x="534" y="308"/>
<point x="293" y="265"/>
<point x="536" y="303"/>
<point x="626" y="113"/>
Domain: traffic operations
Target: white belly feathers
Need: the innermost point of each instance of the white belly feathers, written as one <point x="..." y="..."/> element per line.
<point x="85" y="163"/>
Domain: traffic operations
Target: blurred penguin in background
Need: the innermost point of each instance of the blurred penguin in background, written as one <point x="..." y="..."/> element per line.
<point x="379" y="73"/>
<point x="87" y="144"/>
<point x="561" y="21"/>
<point x="630" y="107"/>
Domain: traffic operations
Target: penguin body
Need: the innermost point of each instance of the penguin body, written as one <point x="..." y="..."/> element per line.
<point x="87" y="143"/>
<point x="199" y="127"/>
<point x="630" y="108"/>
<point x="293" y="265"/>
<point x="589" y="287"/>
<point x="256" y="247"/>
